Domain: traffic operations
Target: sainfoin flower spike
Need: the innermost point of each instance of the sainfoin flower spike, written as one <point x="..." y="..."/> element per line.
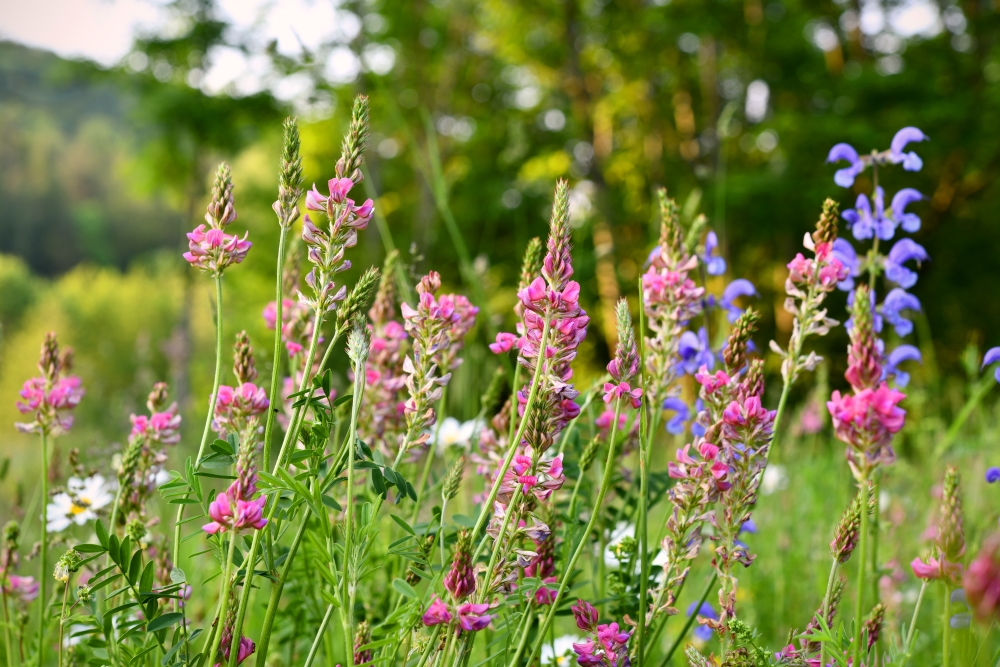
<point x="950" y="541"/>
<point x="238" y="509"/>
<point x="51" y="397"/>
<point x="210" y="248"/>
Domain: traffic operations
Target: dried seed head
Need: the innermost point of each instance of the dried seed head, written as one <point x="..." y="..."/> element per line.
<point x="222" y="209"/>
<point x="826" y="226"/>
<point x="951" y="532"/>
<point x="531" y="266"/>
<point x="359" y="298"/>
<point x="244" y="367"/>
<point x="735" y="354"/>
<point x="453" y="480"/>
<point x="358" y="342"/>
<point x="352" y="153"/>
<point x="158" y="396"/>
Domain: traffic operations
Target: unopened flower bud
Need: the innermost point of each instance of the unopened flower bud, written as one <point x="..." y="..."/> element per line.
<point x="358" y="342"/>
<point x="384" y="307"/>
<point x="826" y="226"/>
<point x="845" y="537"/>
<point x="453" y="480"/>
<point x="48" y="360"/>
<point x="157" y="397"/>
<point x="495" y="389"/>
<point x="84" y="594"/>
<point x="289" y="175"/>
<point x="11" y="535"/>
<point x="951" y="533"/>
<point x="864" y="360"/>
<point x="557" y="268"/>
<point x="362" y="636"/>
<point x="461" y="578"/>
<point x="531" y="266"/>
<point x="353" y="149"/>
<point x="670" y="225"/>
<point x="735" y="354"/>
<point x="873" y="624"/>
<point x="589" y="454"/>
<point x="222" y="209"/>
<point x="430" y="283"/>
<point x="67" y="564"/>
<point x="359" y="298"/>
<point x="244" y="367"/>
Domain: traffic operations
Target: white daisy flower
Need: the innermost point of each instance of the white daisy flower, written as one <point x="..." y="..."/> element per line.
<point x="80" y="505"/>
<point x="562" y="655"/>
<point x="775" y="479"/>
<point x="453" y="433"/>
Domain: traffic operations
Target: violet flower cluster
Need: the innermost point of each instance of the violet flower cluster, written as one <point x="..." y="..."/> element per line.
<point x="51" y="396"/>
<point x="606" y="643"/>
<point x="460" y="582"/>
<point x="210" y="248"/>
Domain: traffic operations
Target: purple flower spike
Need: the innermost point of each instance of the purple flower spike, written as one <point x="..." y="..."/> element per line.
<point x="845" y="177"/>
<point x="703" y="632"/>
<point x="993" y="475"/>
<point x="911" y="161"/>
<point x="737" y="288"/>
<point x="714" y="265"/>
<point x="903" y="251"/>
<point x="993" y="356"/>
<point x="845" y="253"/>
<point x="694" y="351"/>
<point x="896" y="357"/>
<point x="910" y="222"/>
<point x="676" y="424"/>
<point x="895" y="302"/>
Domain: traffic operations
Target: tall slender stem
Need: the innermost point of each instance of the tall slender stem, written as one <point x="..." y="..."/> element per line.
<point x="279" y="297"/>
<point x="946" y="625"/>
<point x="314" y="649"/>
<point x="595" y="512"/>
<point x="359" y="388"/>
<point x="8" y="644"/>
<point x="224" y="602"/>
<point x="690" y="620"/>
<point x="208" y="418"/>
<point x="644" y="440"/>
<point x="825" y="609"/>
<point x="862" y="564"/>
<point x="276" y="590"/>
<point x="62" y="620"/>
<point x="911" y="631"/>
<point x="43" y="600"/>
<point x="425" y="473"/>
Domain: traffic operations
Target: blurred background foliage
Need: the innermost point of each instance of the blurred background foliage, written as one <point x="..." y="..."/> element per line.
<point x="477" y="108"/>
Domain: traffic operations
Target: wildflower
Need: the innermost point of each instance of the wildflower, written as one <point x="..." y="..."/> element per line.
<point x="473" y="617"/>
<point x="453" y="433"/>
<point x="209" y="247"/>
<point x="866" y="221"/>
<point x="675" y="425"/>
<point x="703" y="632"/>
<point x="611" y="647"/>
<point x="245" y="650"/>
<point x="52" y="395"/>
<point x="603" y="421"/>
<point x="857" y="164"/>
<point x="734" y="290"/>
<point x="362" y="636"/>
<point x="24" y="589"/>
<point x="437" y="613"/>
<point x="67" y="564"/>
<point x="911" y="161"/>
<point x="890" y="367"/>
<point x="159" y="427"/>
<point x="845" y="177"/>
<point x="992" y="475"/>
<point x="714" y="264"/>
<point x="296" y="326"/>
<point x="235" y="405"/>
<point x="845" y="537"/>
<point x="505" y="342"/>
<point x="981" y="581"/>
<point x="896" y="301"/>
<point x="289" y="175"/>
<point x="79" y="504"/>
<point x="864" y="359"/>
<point x="992" y="356"/>
<point x="585" y="615"/>
<point x="846" y="255"/>
<point x="934" y="568"/>
<point x="237" y="509"/>
<point x="555" y="653"/>
<point x="694" y="351"/>
<point x="910" y="222"/>
<point x="867" y="419"/>
<point x="460" y="580"/>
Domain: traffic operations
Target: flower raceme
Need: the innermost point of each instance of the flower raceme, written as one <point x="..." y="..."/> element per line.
<point x="210" y="248"/>
<point x="607" y="644"/>
<point x="52" y="395"/>
<point x="471" y="617"/>
<point x="235" y="405"/>
<point x="231" y="511"/>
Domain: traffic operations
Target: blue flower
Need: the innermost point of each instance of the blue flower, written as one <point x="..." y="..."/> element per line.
<point x="903" y="251"/>
<point x="737" y="288"/>
<point x="703" y="632"/>
<point x="895" y="358"/>
<point x="749" y="527"/>
<point x="845" y="177"/>
<point x="895" y="302"/>
<point x="911" y="161"/>
<point x="910" y="222"/>
<point x="698" y="430"/>
<point x="844" y="252"/>
<point x="714" y="265"/>
<point x="993" y="356"/>
<point x="866" y="222"/>
<point x="676" y="423"/>
<point x="694" y="351"/>
<point x="993" y="475"/>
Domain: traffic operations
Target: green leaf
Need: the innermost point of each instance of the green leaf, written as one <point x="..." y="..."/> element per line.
<point x="331" y="503"/>
<point x="202" y="473"/>
<point x="138" y="656"/>
<point x="164" y="621"/>
<point x="411" y="492"/>
<point x="404" y="588"/>
<point x="223" y="447"/>
<point x="402" y="524"/>
<point x="90" y="548"/>
<point x="146" y="580"/>
<point x="185" y="501"/>
<point x="122" y="607"/>
<point x="135" y="567"/>
<point x="113" y="545"/>
<point x="102" y="534"/>
<point x="378" y="482"/>
<point x="177" y="576"/>
<point x="341" y="400"/>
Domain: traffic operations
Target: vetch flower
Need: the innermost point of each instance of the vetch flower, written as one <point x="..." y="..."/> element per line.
<point x="437" y="613"/>
<point x="982" y="580"/>
<point x="80" y="504"/>
<point x="933" y="568"/>
<point x="585" y="615"/>
<point x="473" y="617"/>
<point x="714" y="264"/>
<point x="911" y="161"/>
<point x="235" y="405"/>
<point x="896" y="301"/>
<point x="505" y="342"/>
<point x="622" y="390"/>
<point x="904" y="250"/>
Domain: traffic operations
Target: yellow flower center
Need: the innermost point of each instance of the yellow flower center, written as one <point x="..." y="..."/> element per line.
<point x="79" y="506"/>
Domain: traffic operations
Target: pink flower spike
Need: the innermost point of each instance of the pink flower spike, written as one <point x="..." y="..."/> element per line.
<point x="505" y="342"/>
<point x="437" y="613"/>
<point x="339" y="187"/>
<point x="473" y="617"/>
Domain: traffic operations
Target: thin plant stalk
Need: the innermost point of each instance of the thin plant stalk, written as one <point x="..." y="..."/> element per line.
<point x="427" y="653"/>
<point x="314" y="649"/>
<point x="276" y="359"/>
<point x="912" y="630"/>
<point x="690" y="621"/>
<point x="276" y="590"/>
<point x="946" y="626"/>
<point x="62" y="621"/>
<point x="359" y="388"/>
<point x="8" y="644"/>
<point x="44" y="576"/>
<point x="425" y="473"/>
<point x="224" y="600"/>
<point x="564" y="580"/>
<point x="642" y="530"/>
<point x="211" y="412"/>
<point x="825" y="610"/>
<point x="862" y="563"/>
<point x="977" y="396"/>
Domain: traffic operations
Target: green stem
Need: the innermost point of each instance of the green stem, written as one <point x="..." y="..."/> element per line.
<point x="314" y="649"/>
<point x="430" y="645"/>
<point x="44" y="570"/>
<point x="348" y="596"/>
<point x="876" y="492"/>
<point x="690" y="621"/>
<point x="595" y="512"/>
<point x="62" y="620"/>
<point x="425" y="473"/>
<point x="978" y="394"/>
<point x="862" y="563"/>
<point x="911" y="631"/>
<point x="224" y="602"/>
<point x="211" y="412"/>
<point x="644" y="443"/>
<point x="272" y="603"/>
<point x="825" y="610"/>
<point x="8" y="644"/>
<point x="946" y="626"/>
<point x="529" y="620"/>
<point x="276" y="359"/>
<point x="571" y="518"/>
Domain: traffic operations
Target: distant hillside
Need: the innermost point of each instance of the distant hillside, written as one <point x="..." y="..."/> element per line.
<point x="70" y="183"/>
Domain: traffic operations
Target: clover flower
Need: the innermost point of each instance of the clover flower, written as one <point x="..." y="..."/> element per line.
<point x="210" y="248"/>
<point x="51" y="396"/>
<point x="79" y="504"/>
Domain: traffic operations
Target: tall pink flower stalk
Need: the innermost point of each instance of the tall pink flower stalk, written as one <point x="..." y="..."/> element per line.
<point x="51" y="396"/>
<point x="210" y="248"/>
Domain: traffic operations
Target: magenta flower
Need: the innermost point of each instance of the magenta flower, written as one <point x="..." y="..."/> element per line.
<point x="234" y="405"/>
<point x="52" y="395"/>
<point x="603" y="421"/>
<point x="162" y="427"/>
<point x="246" y="649"/>
<point x="936" y="569"/>
<point x="982" y="580"/>
<point x="505" y="342"/>
<point x="869" y="417"/>
<point x="212" y="250"/>
<point x="585" y="615"/>
<point x="712" y="382"/>
<point x="473" y="617"/>
<point x="622" y="390"/>
<point x="437" y="613"/>
<point x="748" y="421"/>
<point x="232" y="511"/>
<point x="24" y="589"/>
